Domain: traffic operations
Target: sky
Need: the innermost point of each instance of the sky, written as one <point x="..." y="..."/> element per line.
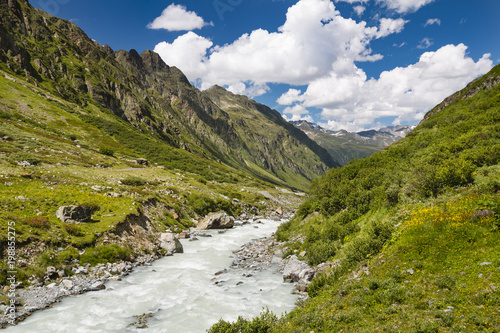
<point x="344" y="64"/>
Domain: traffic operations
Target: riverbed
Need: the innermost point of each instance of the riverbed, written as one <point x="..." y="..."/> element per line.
<point x="183" y="293"/>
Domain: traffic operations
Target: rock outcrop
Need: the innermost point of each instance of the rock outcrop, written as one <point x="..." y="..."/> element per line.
<point x="72" y="214"/>
<point x="297" y="271"/>
<point x="216" y="221"/>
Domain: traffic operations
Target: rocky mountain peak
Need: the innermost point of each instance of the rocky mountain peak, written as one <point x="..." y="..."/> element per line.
<point x="153" y="60"/>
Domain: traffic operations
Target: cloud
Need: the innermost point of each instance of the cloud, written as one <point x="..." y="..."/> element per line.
<point x="352" y="101"/>
<point x="390" y="26"/>
<point x="313" y="39"/>
<point x="177" y="18"/>
<point x="290" y="97"/>
<point x="399" y="6"/>
<point x="432" y="21"/>
<point x="425" y="43"/>
<point x="296" y="117"/>
<point x="188" y="52"/>
<point x="404" y="6"/>
<point x="298" y="109"/>
<point x="359" y="10"/>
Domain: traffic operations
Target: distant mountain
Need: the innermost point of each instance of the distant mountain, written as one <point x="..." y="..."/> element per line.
<point x="344" y="146"/>
<point x="125" y="89"/>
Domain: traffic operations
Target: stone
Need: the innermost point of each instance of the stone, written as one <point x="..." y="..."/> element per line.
<point x="68" y="284"/>
<point x="485" y="264"/>
<point x="97" y="286"/>
<point x="142" y="161"/>
<point x="183" y="235"/>
<point x="410" y="271"/>
<point x="297" y="270"/>
<point x="170" y="243"/>
<point x="69" y="214"/>
<point x="218" y="220"/>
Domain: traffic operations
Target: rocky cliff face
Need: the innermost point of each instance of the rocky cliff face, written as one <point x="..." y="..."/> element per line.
<point x="155" y="98"/>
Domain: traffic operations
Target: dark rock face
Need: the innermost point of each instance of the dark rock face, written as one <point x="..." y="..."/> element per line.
<point x="71" y="214"/>
<point x="216" y="221"/>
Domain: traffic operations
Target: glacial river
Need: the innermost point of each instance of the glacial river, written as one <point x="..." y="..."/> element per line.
<point x="180" y="291"/>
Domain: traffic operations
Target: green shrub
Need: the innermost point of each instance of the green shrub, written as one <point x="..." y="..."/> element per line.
<point x="262" y="324"/>
<point x="106" y="151"/>
<point x="134" y="181"/>
<point x="73" y="229"/>
<point x="21" y="156"/>
<point x="105" y="253"/>
<point x="39" y="222"/>
<point x="445" y="281"/>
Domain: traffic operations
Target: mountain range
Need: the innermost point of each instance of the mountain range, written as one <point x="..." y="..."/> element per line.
<point x="345" y="146"/>
<point x="141" y="92"/>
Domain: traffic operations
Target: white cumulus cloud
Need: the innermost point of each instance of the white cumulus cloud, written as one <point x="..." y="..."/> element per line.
<point x="353" y="101"/>
<point x="313" y="39"/>
<point x="178" y="18"/>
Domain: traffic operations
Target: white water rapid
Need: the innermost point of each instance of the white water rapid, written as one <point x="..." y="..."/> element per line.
<point x="180" y="291"/>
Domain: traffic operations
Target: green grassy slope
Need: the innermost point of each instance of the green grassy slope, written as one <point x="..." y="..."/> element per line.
<point x="410" y="235"/>
<point x="70" y="150"/>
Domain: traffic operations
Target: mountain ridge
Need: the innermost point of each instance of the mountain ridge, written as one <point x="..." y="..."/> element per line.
<point x="141" y="89"/>
<point x="345" y="146"/>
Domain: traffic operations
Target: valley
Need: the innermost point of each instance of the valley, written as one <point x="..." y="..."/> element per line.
<point x="112" y="163"/>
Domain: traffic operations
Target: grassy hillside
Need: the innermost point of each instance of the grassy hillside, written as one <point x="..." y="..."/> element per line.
<point x="409" y="235"/>
<point x="55" y="153"/>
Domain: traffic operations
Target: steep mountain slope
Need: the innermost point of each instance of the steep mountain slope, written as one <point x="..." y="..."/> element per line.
<point x="271" y="143"/>
<point x="345" y="146"/>
<point x="406" y="240"/>
<point x="142" y="90"/>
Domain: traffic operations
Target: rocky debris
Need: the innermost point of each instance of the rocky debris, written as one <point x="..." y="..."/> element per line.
<point x="218" y="220"/>
<point x="42" y="293"/>
<point x="99" y="188"/>
<point x="141" y="321"/>
<point x="298" y="271"/>
<point x="170" y="243"/>
<point x="25" y="164"/>
<point x="256" y="254"/>
<point x="142" y="161"/>
<point x="71" y="214"/>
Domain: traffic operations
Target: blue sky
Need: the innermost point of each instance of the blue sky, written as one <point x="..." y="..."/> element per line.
<point x="346" y="64"/>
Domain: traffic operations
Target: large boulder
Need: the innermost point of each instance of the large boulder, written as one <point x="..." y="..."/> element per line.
<point x="297" y="270"/>
<point x="70" y="214"/>
<point x="216" y="221"/>
<point x="170" y="243"/>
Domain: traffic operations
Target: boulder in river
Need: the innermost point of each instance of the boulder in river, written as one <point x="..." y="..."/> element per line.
<point x="170" y="243"/>
<point x="218" y="220"/>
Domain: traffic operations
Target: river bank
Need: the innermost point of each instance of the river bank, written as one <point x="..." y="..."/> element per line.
<point x="251" y="257"/>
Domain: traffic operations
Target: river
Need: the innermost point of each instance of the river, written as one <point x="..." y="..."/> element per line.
<point x="180" y="291"/>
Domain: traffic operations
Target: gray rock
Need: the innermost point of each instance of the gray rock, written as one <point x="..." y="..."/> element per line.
<point x="68" y="284"/>
<point x="97" y="286"/>
<point x="297" y="270"/>
<point x="170" y="243"/>
<point x="485" y="263"/>
<point x="216" y="221"/>
<point x="69" y="214"/>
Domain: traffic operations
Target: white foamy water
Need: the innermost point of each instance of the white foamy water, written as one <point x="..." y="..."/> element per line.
<point x="180" y="291"/>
